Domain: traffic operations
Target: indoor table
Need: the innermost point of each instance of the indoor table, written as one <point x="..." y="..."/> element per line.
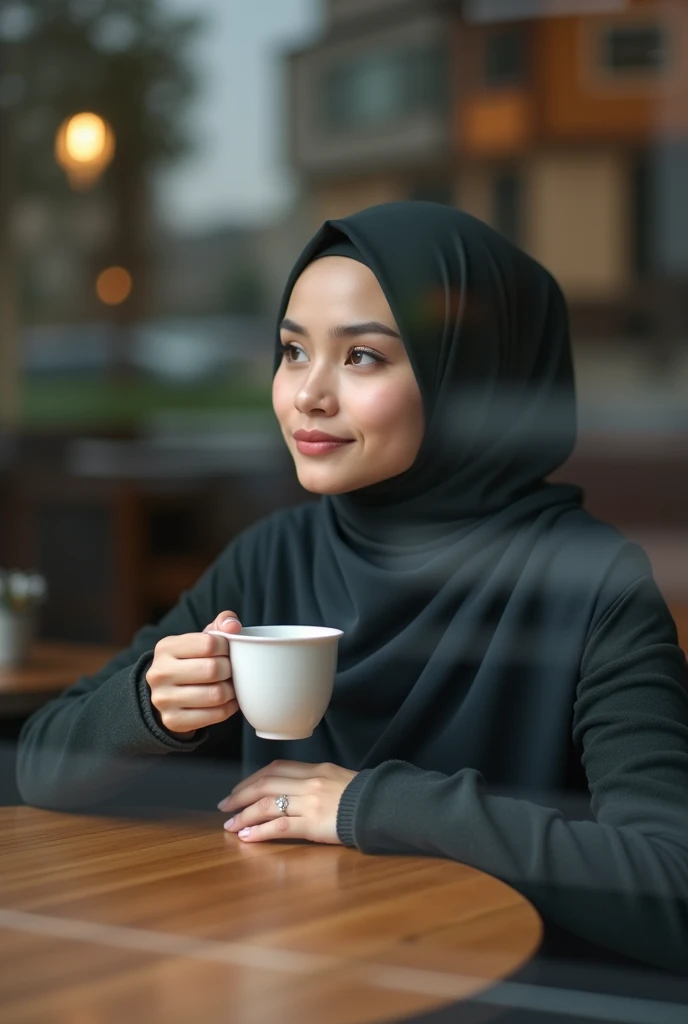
<point x="52" y="666"/>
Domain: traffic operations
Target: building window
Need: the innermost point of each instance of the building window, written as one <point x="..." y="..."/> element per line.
<point x="505" y="57"/>
<point x="635" y="49"/>
<point x="383" y="89"/>
<point x="506" y="204"/>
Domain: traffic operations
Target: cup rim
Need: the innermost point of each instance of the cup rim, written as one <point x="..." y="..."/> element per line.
<point x="316" y="634"/>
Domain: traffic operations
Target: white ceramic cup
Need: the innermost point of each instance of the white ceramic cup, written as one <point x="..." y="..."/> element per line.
<point x="283" y="677"/>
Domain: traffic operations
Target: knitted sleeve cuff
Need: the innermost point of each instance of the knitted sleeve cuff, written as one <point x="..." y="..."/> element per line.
<point x="346" y="812"/>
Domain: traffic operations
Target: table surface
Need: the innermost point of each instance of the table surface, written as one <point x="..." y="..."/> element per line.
<point x="108" y="920"/>
<point x="52" y="666"/>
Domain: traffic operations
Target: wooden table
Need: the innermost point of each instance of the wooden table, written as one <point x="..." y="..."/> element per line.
<point x="113" y="920"/>
<point x="51" y="668"/>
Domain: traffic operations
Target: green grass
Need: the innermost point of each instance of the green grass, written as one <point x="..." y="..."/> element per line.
<point x="82" y="402"/>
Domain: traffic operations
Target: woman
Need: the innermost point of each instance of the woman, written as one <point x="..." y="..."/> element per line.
<point x="502" y="649"/>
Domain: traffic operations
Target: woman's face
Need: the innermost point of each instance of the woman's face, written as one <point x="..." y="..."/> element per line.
<point x="345" y="374"/>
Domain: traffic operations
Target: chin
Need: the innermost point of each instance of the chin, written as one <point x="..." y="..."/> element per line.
<point x="323" y="483"/>
<point x="322" y="486"/>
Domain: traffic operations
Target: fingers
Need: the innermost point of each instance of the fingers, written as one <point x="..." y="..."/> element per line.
<point x="278" y="828"/>
<point x="278" y="769"/>
<point x="226" y="622"/>
<point x="263" y="790"/>
<point x="191" y="645"/>
<point x="206" y="671"/>
<point x="266" y="809"/>
<point x="212" y="696"/>
<point x="189" y="672"/>
<point x="183" y="720"/>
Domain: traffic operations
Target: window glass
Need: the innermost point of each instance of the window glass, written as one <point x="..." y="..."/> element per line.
<point x="382" y="89"/>
<point x="635" y="48"/>
<point x="162" y="165"/>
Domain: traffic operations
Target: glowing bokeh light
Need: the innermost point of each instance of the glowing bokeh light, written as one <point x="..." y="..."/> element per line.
<point x="84" y="146"/>
<point x="85" y="138"/>
<point x="113" y="286"/>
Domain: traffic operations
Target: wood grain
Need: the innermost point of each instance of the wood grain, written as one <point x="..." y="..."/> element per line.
<point x="52" y="666"/>
<point x="110" y="920"/>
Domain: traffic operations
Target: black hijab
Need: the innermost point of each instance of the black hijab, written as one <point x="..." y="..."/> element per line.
<point x="453" y="582"/>
<point x="486" y="331"/>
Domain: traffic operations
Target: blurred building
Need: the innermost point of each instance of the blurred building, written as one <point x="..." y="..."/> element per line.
<point x="216" y="270"/>
<point x="562" y="124"/>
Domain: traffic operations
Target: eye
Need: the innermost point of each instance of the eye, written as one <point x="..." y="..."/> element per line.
<point x="290" y="351"/>
<point x="357" y="354"/>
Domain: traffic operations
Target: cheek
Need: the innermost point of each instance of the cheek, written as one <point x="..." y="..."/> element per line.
<point x="389" y="411"/>
<point x="282" y="399"/>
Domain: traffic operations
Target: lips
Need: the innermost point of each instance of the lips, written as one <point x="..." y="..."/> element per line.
<point x="318" y="435"/>
<point x="315" y="442"/>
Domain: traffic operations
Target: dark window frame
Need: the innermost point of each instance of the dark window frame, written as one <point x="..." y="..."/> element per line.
<point x="642" y="215"/>
<point x="614" y="64"/>
<point x="510" y="45"/>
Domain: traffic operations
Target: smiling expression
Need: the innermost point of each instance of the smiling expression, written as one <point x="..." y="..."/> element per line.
<point x="345" y="385"/>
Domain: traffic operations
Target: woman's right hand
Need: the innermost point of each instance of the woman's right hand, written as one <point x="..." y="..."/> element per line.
<point x="190" y="678"/>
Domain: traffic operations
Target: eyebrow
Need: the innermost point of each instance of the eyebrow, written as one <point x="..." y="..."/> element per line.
<point x="344" y="330"/>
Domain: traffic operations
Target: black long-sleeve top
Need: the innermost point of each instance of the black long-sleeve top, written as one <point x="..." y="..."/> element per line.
<point x="615" y="874"/>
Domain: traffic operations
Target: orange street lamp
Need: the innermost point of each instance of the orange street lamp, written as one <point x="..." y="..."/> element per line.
<point x="84" y="146"/>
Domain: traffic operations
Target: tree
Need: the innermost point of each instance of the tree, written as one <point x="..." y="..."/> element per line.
<point x="125" y="60"/>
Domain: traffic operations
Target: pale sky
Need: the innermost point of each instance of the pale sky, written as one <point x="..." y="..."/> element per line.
<point x="238" y="172"/>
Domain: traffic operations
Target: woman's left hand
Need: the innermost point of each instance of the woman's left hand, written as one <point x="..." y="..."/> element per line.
<point x="313" y="792"/>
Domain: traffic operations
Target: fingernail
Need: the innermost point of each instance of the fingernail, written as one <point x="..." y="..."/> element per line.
<point x="232" y="618"/>
<point x="244" y="832"/>
<point x="221" y="805"/>
<point x="228" y="824"/>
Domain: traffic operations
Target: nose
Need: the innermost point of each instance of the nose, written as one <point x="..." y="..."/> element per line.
<point x="316" y="396"/>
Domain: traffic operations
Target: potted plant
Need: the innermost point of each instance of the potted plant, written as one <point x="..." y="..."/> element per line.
<point x="21" y="593"/>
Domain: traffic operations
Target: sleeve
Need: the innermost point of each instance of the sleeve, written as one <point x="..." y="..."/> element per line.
<point x="92" y="741"/>
<point x="619" y="880"/>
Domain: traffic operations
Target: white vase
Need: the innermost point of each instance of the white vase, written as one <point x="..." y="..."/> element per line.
<point x="16" y="636"/>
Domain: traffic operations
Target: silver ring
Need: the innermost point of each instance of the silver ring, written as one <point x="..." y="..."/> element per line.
<point x="282" y="802"/>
